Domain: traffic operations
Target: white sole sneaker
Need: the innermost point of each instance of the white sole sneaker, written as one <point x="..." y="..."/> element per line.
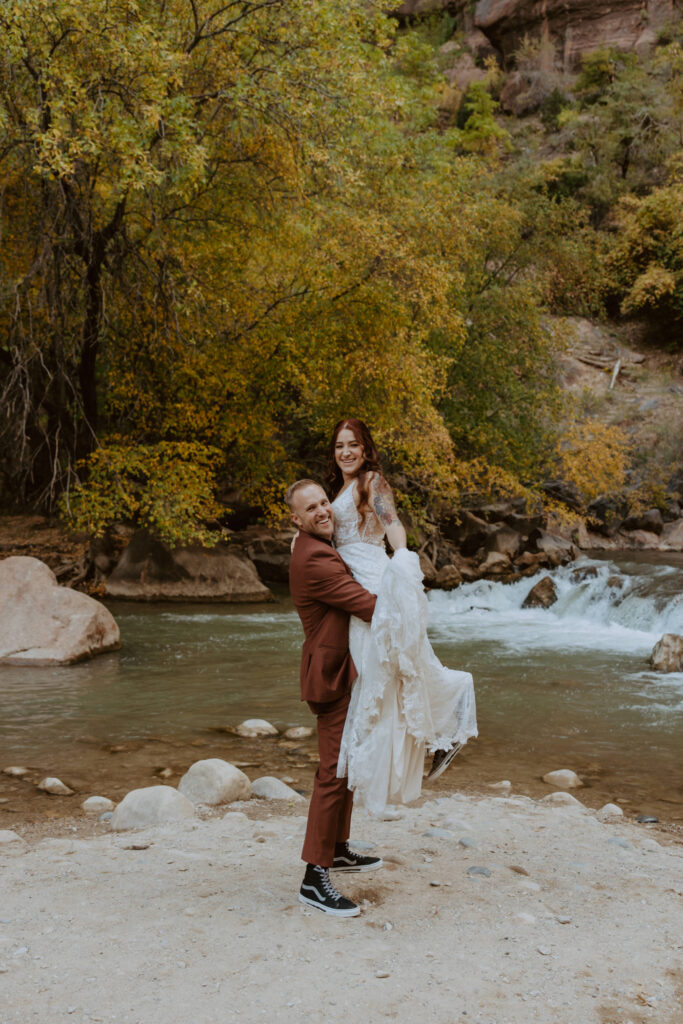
<point x="436" y="772"/>
<point x="350" y="912"/>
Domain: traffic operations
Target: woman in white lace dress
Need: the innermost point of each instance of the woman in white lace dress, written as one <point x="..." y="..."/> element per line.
<point x="404" y="701"/>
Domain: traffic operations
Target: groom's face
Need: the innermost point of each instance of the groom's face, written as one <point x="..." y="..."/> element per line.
<point x="312" y="511"/>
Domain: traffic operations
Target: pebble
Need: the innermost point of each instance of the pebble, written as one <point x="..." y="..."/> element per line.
<point x="618" y="841"/>
<point x="54" y="786"/>
<point x="504" y="785"/>
<point x="561" y="919"/>
<point x="475" y="870"/>
<point x="435" y="883"/>
<point x="518" y="869"/>
<point x="391" y="814"/>
<point x="544" y="951"/>
<point x="467" y="844"/>
<point x="97" y="804"/>
<point x="256" y="727"/>
<point x="563" y="778"/>
<point x="609" y="811"/>
<point x="382" y="974"/>
<point x="165" y="773"/>
<point x="440" y="833"/>
<point x="15" y="771"/>
<point x="298" y="732"/>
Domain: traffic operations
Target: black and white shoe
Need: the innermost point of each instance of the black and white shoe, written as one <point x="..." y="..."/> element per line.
<point x="317" y="891"/>
<point x="346" y="859"/>
<point x="442" y="759"/>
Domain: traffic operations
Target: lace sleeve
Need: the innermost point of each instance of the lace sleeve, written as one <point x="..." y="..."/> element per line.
<point x="382" y="502"/>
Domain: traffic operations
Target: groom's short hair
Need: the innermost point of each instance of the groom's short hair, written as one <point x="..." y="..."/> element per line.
<point x="293" y="488"/>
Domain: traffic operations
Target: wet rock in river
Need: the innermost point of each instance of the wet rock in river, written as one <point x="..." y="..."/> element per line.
<point x="153" y="805"/>
<point x="254" y="727"/>
<point x="214" y="781"/>
<point x="563" y="778"/>
<point x="298" y="732"/>
<point x="542" y="595"/>
<point x="42" y="623"/>
<point x="667" y="654"/>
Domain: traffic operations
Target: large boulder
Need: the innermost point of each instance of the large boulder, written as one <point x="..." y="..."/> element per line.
<point x="153" y="805"/>
<point x="150" y="571"/>
<point x="667" y="654"/>
<point x="214" y="781"/>
<point x="42" y="623"/>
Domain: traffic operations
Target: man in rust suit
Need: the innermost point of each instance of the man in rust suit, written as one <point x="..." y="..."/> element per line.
<point x="325" y="594"/>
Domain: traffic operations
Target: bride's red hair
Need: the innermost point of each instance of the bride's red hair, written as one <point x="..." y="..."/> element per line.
<point x="370" y="465"/>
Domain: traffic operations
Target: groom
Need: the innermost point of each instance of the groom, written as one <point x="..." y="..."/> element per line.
<point x="325" y="594"/>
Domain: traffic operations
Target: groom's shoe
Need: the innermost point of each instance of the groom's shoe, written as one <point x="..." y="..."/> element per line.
<point x="317" y="891"/>
<point x="442" y="759"/>
<point x="346" y="859"/>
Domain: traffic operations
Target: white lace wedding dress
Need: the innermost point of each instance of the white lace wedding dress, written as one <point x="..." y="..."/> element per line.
<point x="404" y="700"/>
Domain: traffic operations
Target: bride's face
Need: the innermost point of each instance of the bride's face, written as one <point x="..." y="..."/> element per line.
<point x="348" y="453"/>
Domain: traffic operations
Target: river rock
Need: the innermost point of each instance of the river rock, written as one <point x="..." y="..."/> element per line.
<point x="506" y="541"/>
<point x="153" y="805"/>
<point x="563" y="778"/>
<point x="667" y="654"/>
<point x="150" y="571"/>
<point x="542" y="595"/>
<point x="55" y="786"/>
<point x="15" y="771"/>
<point x="42" y="623"/>
<point x="447" y="578"/>
<point x="671" y="538"/>
<point x="558" y="549"/>
<point x="270" y="788"/>
<point x="11" y="843"/>
<point x="214" y="781"/>
<point x="253" y="727"/>
<point x="609" y="812"/>
<point x="298" y="732"/>
<point x="97" y="805"/>
<point x="495" y="564"/>
<point x="562" y="799"/>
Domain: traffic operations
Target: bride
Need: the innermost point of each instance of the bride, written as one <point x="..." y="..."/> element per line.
<point x="404" y="701"/>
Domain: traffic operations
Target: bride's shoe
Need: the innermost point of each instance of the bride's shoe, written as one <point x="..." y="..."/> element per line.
<point x="442" y="759"/>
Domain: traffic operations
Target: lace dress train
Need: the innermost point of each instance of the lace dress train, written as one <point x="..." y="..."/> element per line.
<point x="404" y="701"/>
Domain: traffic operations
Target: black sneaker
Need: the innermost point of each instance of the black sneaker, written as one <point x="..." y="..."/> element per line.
<point x="442" y="759"/>
<point x="346" y="859"/>
<point x="317" y="891"/>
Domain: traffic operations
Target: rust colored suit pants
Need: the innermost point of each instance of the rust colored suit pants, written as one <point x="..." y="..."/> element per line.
<point x="329" y="815"/>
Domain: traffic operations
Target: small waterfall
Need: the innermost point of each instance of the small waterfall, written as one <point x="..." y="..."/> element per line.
<point x="599" y="606"/>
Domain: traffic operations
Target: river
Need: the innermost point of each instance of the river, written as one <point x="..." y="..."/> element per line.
<point x="564" y="687"/>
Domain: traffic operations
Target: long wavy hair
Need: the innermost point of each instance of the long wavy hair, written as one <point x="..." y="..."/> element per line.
<point x="371" y="464"/>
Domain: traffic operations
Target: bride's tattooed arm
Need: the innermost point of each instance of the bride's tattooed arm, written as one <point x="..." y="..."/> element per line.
<point x="382" y="501"/>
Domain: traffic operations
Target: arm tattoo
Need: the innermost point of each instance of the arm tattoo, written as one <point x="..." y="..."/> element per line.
<point x="383" y="502"/>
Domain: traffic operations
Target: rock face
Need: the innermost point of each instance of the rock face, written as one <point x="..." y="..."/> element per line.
<point x="576" y="26"/>
<point x="149" y="571"/>
<point x="42" y="623"/>
<point x="154" y="805"/>
<point x="542" y="595"/>
<point x="667" y="654"/>
<point x="213" y="782"/>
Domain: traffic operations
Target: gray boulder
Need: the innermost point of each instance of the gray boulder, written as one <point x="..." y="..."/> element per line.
<point x="214" y="781"/>
<point x="667" y="654"/>
<point x="153" y="805"/>
<point x="42" y="623"/>
<point x="150" y="571"/>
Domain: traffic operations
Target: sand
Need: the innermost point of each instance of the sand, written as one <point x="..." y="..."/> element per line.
<point x="578" y="921"/>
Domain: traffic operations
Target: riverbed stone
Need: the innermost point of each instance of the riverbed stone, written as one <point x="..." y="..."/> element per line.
<point x="50" y="784"/>
<point x="270" y="788"/>
<point x="609" y="812"/>
<point x="153" y="805"/>
<point x="542" y="595"/>
<point x="42" y="623"/>
<point x="667" y="654"/>
<point x="150" y="571"/>
<point x="97" y="805"/>
<point x="298" y="732"/>
<point x="15" y="771"/>
<point x="562" y="799"/>
<point x="563" y="778"/>
<point x="214" y="781"/>
<point x="254" y="727"/>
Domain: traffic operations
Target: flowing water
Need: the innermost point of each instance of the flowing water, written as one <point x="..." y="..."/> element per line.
<point x="565" y="687"/>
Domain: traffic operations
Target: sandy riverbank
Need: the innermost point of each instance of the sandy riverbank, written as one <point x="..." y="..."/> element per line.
<point x="578" y="922"/>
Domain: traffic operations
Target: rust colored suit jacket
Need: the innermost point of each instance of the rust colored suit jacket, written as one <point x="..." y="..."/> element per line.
<point x="325" y="594"/>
